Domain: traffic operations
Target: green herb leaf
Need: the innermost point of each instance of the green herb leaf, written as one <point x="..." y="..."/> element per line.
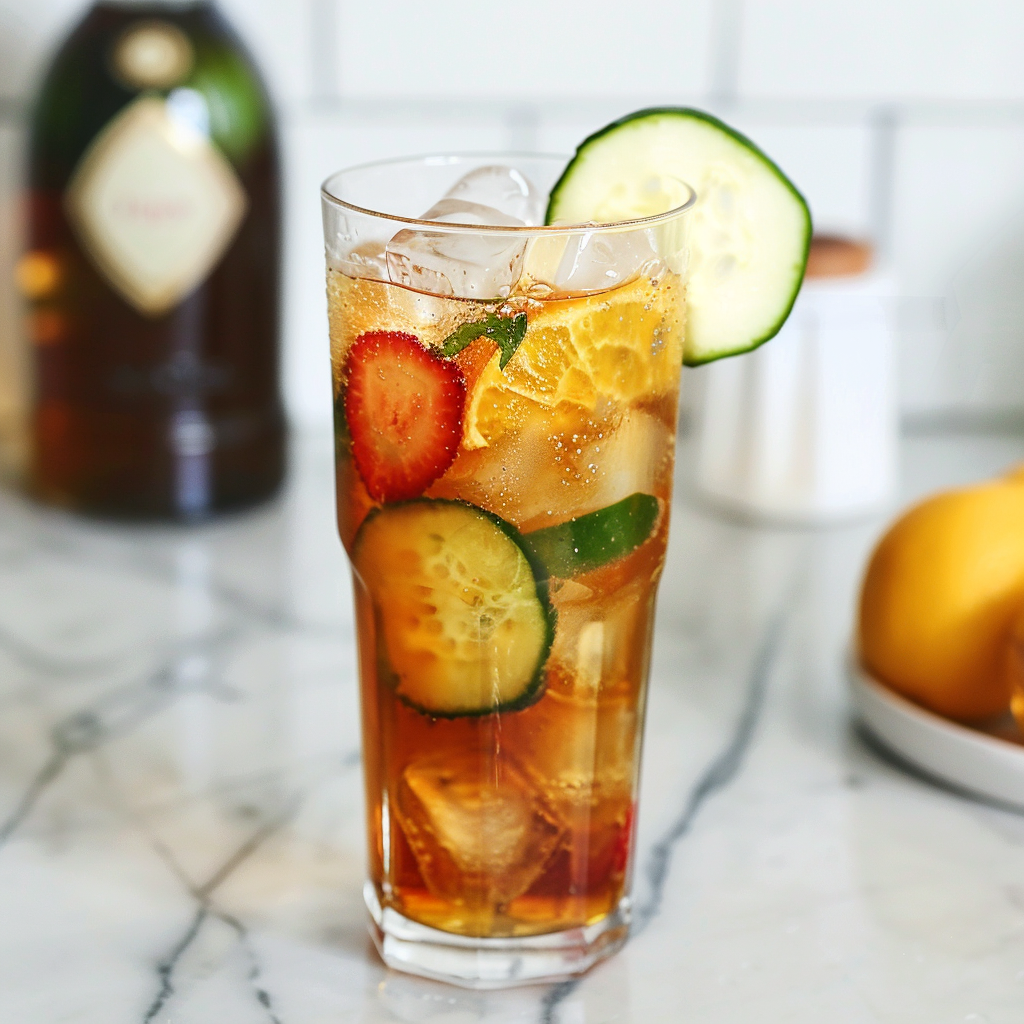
<point x="506" y="332"/>
<point x="515" y="333"/>
<point x="466" y="334"/>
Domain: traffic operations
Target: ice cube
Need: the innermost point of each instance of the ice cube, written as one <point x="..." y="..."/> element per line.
<point x="462" y="264"/>
<point x="480" y="829"/>
<point x="540" y="467"/>
<point x="637" y="456"/>
<point x="502" y="188"/>
<point x="464" y="211"/>
<point x="595" y="260"/>
<point x="365" y="261"/>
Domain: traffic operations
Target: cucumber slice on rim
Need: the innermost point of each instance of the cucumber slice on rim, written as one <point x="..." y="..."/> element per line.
<point x="588" y="542"/>
<point x="749" y="233"/>
<point x="462" y="613"/>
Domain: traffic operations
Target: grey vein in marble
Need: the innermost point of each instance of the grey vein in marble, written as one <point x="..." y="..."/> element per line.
<point x="719" y="773"/>
<point x="183" y="825"/>
<point x="165" y="969"/>
<point x="113" y="714"/>
<point x="203" y="894"/>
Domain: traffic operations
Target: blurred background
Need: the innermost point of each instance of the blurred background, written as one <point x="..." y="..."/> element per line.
<point x="902" y="122"/>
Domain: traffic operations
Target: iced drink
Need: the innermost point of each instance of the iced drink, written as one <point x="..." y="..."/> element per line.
<point x="505" y="409"/>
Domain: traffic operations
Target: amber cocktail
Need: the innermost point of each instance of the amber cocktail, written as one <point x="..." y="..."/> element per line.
<point x="505" y="408"/>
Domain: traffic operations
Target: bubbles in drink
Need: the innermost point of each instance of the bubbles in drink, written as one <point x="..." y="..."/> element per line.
<point x="518" y="820"/>
<point x="636" y="457"/>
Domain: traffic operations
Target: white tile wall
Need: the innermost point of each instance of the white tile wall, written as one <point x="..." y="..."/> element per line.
<point x="882" y="49"/>
<point x="281" y="35"/>
<point x="958" y="237"/>
<point x="903" y="121"/>
<point x="530" y="49"/>
<point x="830" y="162"/>
<point x="279" y="32"/>
<point x="28" y="30"/>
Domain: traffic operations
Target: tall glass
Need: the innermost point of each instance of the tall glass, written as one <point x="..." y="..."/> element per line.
<point x="505" y="406"/>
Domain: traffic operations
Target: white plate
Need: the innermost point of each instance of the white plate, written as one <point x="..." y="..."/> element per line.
<point x="969" y="759"/>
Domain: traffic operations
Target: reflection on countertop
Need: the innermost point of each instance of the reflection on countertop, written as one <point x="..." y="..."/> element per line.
<point x="180" y="805"/>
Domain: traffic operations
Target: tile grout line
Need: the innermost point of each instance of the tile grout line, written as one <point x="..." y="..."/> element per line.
<point x="885" y="124"/>
<point x="324" y="69"/>
<point x="726" y="40"/>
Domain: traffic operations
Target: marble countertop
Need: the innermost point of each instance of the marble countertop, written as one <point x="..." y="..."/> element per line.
<point x="180" y="808"/>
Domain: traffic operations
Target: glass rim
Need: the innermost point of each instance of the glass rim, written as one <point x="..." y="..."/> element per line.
<point x="437" y="159"/>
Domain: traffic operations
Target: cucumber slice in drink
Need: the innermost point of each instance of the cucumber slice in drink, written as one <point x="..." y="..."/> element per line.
<point x="463" y="620"/>
<point x="588" y="542"/>
<point x="749" y="232"/>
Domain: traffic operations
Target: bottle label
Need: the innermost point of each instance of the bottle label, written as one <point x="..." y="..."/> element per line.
<point x="154" y="203"/>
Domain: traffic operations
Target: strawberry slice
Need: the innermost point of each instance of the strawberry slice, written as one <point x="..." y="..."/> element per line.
<point x="404" y="408"/>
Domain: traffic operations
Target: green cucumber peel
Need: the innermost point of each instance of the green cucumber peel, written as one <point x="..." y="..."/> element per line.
<point x="506" y="332"/>
<point x="536" y="686"/>
<point x="700" y="347"/>
<point x="585" y="543"/>
<point x="642" y="115"/>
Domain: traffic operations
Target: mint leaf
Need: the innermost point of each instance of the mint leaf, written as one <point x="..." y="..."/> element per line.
<point x="506" y="332"/>
<point x="466" y="334"/>
<point x="515" y="333"/>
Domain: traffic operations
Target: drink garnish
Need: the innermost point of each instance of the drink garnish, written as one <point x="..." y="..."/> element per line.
<point x="506" y="332"/>
<point x="403" y="407"/>
<point x="466" y="624"/>
<point x="749" y="233"/>
<point x="590" y="541"/>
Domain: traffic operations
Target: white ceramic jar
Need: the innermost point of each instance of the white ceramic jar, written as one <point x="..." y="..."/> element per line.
<point x="804" y="429"/>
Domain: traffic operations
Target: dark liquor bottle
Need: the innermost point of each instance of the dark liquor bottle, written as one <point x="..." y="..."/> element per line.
<point x="152" y="268"/>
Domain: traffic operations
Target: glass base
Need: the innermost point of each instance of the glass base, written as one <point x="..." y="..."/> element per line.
<point x="481" y="963"/>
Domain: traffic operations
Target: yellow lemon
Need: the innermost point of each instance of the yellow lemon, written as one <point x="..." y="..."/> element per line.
<point x="939" y="598"/>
